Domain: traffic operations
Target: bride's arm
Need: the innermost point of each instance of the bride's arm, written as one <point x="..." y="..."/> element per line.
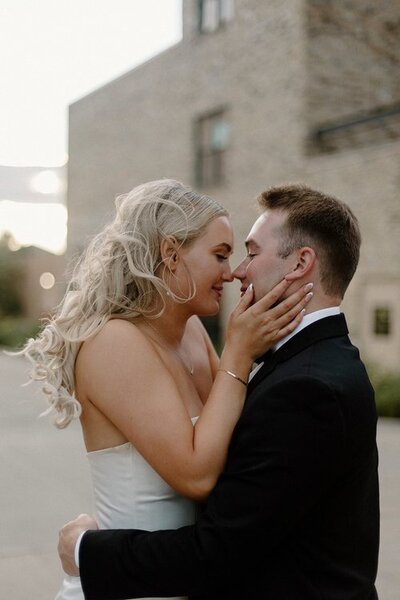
<point x="128" y="382"/>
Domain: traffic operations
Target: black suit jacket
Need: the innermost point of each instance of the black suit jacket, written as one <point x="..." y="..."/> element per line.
<point x="295" y="513"/>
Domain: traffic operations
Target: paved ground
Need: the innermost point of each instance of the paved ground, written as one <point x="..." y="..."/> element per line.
<point x="44" y="482"/>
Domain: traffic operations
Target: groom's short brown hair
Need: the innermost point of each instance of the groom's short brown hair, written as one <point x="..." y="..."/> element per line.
<point x="322" y="222"/>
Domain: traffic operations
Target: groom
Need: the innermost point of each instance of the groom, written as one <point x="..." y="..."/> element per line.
<point x="295" y="513"/>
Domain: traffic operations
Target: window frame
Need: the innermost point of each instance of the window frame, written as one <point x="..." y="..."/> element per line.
<point x="225" y="10"/>
<point x="382" y="323"/>
<point x="212" y="174"/>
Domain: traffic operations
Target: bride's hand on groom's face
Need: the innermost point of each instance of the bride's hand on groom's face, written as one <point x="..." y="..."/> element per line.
<point x="255" y="327"/>
<point x="68" y="537"/>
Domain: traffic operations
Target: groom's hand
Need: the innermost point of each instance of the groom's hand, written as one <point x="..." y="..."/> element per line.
<point x="68" y="537"/>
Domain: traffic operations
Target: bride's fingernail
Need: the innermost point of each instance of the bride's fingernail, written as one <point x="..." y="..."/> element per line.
<point x="309" y="296"/>
<point x="308" y="286"/>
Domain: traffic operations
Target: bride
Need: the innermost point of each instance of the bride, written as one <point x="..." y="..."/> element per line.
<point x="127" y="353"/>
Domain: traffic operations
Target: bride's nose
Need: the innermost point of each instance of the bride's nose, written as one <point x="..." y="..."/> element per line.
<point x="240" y="271"/>
<point x="227" y="274"/>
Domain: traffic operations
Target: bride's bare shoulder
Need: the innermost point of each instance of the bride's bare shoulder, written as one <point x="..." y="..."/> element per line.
<point x="118" y="337"/>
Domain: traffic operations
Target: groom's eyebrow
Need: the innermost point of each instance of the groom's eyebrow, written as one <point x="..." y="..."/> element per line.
<point x="250" y="242"/>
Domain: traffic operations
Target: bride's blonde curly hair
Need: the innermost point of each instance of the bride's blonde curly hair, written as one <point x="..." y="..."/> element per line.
<point x="116" y="277"/>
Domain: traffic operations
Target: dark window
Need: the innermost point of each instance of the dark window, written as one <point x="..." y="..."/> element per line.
<point x="382" y="321"/>
<point x="211" y="141"/>
<point x="213" y="14"/>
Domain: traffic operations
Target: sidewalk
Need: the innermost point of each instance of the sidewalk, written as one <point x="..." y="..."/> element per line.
<point x="45" y="482"/>
<point x="388" y="582"/>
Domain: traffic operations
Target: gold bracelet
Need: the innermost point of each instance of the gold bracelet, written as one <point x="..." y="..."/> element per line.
<point x="235" y="376"/>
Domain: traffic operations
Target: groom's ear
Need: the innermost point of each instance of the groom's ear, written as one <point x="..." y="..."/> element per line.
<point x="303" y="263"/>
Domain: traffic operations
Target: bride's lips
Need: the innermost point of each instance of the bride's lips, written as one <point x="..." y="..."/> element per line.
<point x="219" y="290"/>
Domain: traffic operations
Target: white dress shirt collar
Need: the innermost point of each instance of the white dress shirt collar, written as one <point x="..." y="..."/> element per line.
<point x="307" y="320"/>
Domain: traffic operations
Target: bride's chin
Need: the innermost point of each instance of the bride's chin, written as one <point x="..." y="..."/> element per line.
<point x="209" y="312"/>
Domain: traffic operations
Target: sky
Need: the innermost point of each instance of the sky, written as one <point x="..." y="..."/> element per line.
<point x="53" y="53"/>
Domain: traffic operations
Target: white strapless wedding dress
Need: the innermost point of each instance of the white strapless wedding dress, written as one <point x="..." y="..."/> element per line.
<point x="129" y="494"/>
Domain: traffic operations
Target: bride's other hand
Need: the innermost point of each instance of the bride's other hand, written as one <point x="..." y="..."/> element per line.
<point x="254" y="328"/>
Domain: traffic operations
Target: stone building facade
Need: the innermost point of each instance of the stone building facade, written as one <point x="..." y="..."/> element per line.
<point x="259" y="93"/>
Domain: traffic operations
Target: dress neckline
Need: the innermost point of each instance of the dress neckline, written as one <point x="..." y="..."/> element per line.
<point x="125" y="444"/>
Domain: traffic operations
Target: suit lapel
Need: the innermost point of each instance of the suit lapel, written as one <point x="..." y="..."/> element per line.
<point x="269" y="364"/>
<point x="327" y="327"/>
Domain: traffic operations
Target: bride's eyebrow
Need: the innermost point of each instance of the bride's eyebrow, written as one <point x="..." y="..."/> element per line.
<point x="225" y="245"/>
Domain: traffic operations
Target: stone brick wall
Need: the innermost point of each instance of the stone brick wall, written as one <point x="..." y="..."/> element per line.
<point x="353" y="64"/>
<point x="353" y="57"/>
